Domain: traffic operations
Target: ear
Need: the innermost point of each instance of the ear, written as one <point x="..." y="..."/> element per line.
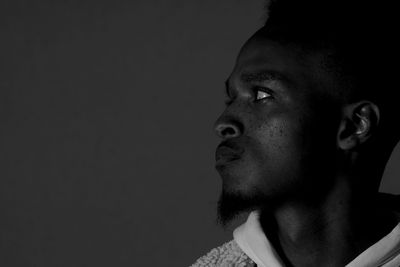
<point x="359" y="122"/>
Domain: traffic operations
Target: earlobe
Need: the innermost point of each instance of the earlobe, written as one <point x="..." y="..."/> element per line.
<point x="358" y="123"/>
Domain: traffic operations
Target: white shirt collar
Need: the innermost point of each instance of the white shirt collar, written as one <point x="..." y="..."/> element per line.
<point x="252" y="240"/>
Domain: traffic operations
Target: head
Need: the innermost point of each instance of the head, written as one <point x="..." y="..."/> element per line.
<point x="307" y="105"/>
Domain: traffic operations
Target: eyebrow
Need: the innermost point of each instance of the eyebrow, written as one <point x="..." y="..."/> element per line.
<point x="260" y="76"/>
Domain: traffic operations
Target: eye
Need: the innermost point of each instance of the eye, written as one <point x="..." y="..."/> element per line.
<point x="261" y="93"/>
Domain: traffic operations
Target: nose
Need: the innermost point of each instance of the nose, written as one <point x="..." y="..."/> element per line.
<point x="227" y="130"/>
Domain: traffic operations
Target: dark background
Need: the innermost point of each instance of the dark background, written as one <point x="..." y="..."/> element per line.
<point x="106" y="141"/>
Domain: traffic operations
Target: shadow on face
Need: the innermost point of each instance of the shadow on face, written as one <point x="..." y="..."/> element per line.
<point x="283" y="119"/>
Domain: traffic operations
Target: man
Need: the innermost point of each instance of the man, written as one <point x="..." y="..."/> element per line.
<point x="309" y="125"/>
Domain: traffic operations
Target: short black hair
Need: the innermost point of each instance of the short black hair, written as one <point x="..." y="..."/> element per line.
<point x="362" y="38"/>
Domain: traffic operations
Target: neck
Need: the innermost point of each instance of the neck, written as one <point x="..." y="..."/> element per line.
<point x="328" y="231"/>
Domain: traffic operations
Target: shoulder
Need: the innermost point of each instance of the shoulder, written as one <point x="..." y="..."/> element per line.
<point x="229" y="254"/>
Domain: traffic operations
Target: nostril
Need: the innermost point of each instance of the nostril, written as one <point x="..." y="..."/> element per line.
<point x="227" y="131"/>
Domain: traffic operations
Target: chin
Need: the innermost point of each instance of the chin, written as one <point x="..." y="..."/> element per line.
<point x="235" y="201"/>
<point x="235" y="175"/>
<point x="240" y="195"/>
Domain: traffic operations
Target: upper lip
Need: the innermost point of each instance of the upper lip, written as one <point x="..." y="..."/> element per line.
<point x="228" y="150"/>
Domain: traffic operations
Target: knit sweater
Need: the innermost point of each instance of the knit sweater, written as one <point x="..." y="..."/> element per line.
<point x="227" y="255"/>
<point x="250" y="241"/>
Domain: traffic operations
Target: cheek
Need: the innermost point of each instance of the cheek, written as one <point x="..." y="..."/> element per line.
<point x="278" y="140"/>
<point x="278" y="152"/>
<point x="291" y="152"/>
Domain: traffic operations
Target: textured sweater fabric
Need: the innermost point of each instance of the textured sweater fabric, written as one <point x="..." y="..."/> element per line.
<point x="227" y="255"/>
<point x="250" y="247"/>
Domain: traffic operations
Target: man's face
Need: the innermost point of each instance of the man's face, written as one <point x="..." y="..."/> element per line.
<point x="279" y="129"/>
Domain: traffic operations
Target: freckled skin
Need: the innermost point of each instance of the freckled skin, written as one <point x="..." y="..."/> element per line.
<point x="289" y="139"/>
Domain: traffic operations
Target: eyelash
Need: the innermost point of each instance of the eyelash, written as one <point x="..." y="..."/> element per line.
<point x="255" y="91"/>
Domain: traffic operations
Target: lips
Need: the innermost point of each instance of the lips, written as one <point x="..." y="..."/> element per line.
<point x="227" y="151"/>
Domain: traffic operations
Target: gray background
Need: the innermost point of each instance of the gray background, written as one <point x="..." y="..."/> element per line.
<point x="106" y="141"/>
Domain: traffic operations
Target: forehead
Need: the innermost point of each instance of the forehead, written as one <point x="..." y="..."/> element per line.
<point x="289" y="62"/>
<point x="259" y="52"/>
